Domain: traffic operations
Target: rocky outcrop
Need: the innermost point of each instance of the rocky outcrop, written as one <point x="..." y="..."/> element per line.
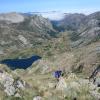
<point x="61" y="85"/>
<point x="11" y="85"/>
<point x="7" y="81"/>
<point x="72" y="85"/>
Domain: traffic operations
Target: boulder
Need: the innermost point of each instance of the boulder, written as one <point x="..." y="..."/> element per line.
<point x="10" y="90"/>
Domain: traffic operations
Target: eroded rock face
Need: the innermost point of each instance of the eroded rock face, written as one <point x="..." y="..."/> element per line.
<point x="10" y="85"/>
<point x="20" y="84"/>
<point x="23" y="39"/>
<point x="10" y="90"/>
<point x="7" y="81"/>
<point x="19" y="31"/>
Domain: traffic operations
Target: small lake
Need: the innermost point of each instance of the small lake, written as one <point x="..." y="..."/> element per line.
<point x="20" y="63"/>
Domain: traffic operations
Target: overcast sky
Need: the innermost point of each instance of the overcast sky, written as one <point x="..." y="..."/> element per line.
<point x="68" y="6"/>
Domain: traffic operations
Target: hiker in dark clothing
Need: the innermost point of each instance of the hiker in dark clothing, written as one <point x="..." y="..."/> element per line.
<point x="57" y="74"/>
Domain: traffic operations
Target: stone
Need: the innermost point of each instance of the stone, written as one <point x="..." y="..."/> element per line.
<point x="10" y="90"/>
<point x="20" y="85"/>
<point x="61" y="84"/>
<point x="37" y="98"/>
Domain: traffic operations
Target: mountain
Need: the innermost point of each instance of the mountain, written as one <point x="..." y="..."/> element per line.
<point x="19" y="31"/>
<point x="72" y="21"/>
<point x="83" y="28"/>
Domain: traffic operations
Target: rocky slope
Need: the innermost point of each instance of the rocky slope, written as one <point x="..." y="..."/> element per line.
<point x="84" y="28"/>
<point x="21" y="31"/>
<point x="23" y="85"/>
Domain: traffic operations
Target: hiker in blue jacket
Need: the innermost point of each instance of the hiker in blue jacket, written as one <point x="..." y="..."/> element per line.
<point x="57" y="74"/>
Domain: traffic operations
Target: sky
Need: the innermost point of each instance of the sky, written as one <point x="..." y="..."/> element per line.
<point x="66" y="6"/>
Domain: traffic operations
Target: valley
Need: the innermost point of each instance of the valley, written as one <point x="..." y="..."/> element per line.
<point x="71" y="45"/>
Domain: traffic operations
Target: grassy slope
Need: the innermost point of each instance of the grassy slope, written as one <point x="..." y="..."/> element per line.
<point x="57" y="54"/>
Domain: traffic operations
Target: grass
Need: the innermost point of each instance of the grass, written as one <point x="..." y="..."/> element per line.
<point x="38" y="85"/>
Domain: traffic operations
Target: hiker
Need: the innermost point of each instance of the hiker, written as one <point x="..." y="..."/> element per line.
<point x="57" y="74"/>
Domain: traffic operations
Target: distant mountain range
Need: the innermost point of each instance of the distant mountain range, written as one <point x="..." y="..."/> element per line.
<point x="26" y="30"/>
<point x="85" y="28"/>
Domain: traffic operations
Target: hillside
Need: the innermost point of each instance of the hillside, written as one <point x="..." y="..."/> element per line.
<point x="71" y="45"/>
<point x="22" y="31"/>
<point x="84" y="29"/>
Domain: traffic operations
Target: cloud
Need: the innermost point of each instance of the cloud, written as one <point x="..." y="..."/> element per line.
<point x="53" y="15"/>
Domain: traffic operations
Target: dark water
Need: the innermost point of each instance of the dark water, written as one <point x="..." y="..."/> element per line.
<point x="20" y="63"/>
